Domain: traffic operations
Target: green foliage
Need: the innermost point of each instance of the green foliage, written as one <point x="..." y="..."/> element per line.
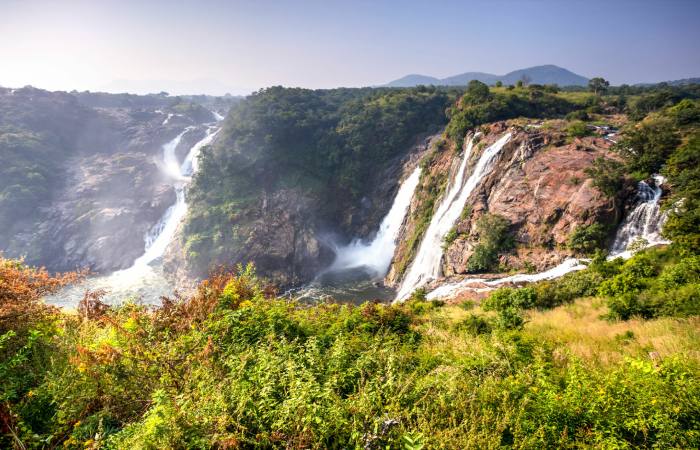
<point x="683" y="171"/>
<point x="327" y="146"/>
<point x="648" y="286"/>
<point x="647" y="145"/>
<point x="607" y="175"/>
<point x="577" y="129"/>
<point x="579" y="114"/>
<point x="233" y="368"/>
<point x="475" y="325"/>
<point x="598" y="85"/>
<point x="587" y="238"/>
<point x="494" y="238"/>
<point x="450" y="237"/>
<point x="479" y="106"/>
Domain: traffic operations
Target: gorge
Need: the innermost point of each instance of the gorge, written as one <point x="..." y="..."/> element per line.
<point x="278" y="214"/>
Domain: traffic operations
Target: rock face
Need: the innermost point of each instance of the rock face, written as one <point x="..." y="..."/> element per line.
<point x="103" y="152"/>
<point x="538" y="184"/>
<point x="282" y="234"/>
<point x="108" y="205"/>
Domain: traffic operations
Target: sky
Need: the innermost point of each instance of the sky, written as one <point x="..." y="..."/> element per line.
<point x="236" y="46"/>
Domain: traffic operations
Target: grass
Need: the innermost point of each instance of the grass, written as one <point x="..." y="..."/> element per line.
<point x="580" y="329"/>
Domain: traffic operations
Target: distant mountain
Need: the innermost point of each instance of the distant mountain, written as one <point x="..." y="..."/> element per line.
<point x="548" y="74"/>
<point x="681" y="82"/>
<point x="414" y="80"/>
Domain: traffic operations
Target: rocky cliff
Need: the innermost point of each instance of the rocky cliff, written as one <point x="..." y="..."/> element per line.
<point x="91" y="173"/>
<point x="538" y="184"/>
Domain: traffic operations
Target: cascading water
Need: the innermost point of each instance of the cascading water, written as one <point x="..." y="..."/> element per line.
<point x="158" y="238"/>
<point x="376" y="255"/>
<point x="644" y="223"/>
<point x="347" y="278"/>
<point x="426" y="264"/>
<point x="142" y="278"/>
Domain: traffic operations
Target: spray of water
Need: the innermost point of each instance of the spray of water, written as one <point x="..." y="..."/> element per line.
<point x="375" y="256"/>
<point x="142" y="278"/>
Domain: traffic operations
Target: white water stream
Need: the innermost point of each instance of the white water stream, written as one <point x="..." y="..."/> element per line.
<point x="644" y="223"/>
<point x="142" y="279"/>
<point x="427" y="262"/>
<point x="375" y="256"/>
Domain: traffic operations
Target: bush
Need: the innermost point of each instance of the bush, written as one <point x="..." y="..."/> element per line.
<point x="607" y="175"/>
<point x="509" y="304"/>
<point x="475" y="325"/>
<point x="587" y="238"/>
<point x="646" y="146"/>
<point x="578" y="115"/>
<point x="578" y="129"/>
<point x="494" y="237"/>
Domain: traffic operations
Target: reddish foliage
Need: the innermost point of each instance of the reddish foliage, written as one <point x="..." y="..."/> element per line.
<point x="23" y="287"/>
<point x="91" y="306"/>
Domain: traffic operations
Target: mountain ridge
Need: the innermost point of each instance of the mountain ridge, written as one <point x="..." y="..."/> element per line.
<point x="545" y="74"/>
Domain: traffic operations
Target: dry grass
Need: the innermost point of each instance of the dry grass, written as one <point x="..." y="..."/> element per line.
<point x="575" y="329"/>
<point x="580" y="329"/>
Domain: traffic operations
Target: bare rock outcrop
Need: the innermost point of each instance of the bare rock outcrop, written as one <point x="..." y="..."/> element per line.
<point x="538" y="183"/>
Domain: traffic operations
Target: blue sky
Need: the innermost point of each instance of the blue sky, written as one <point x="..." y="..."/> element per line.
<point x="218" y="46"/>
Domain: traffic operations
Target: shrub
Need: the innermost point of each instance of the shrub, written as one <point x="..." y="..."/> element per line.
<point x="587" y="238"/>
<point x="578" y="129"/>
<point x="607" y="175"/>
<point x="493" y="238"/>
<point x="475" y="325"/>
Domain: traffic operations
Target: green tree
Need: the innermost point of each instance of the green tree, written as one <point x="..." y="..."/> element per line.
<point x="598" y="85"/>
<point x="493" y="238"/>
<point x="607" y="175"/>
<point x="477" y="92"/>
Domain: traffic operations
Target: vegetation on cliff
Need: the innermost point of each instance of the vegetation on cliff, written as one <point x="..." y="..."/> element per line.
<point x="327" y="146"/>
<point x="660" y="136"/>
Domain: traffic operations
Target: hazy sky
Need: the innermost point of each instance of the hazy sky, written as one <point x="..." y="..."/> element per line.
<point x="219" y="46"/>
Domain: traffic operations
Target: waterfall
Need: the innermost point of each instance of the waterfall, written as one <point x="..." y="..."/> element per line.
<point x="160" y="235"/>
<point x="645" y="221"/>
<point x="142" y="278"/>
<point x="427" y="262"/>
<point x="376" y="255"/>
<point x="170" y="165"/>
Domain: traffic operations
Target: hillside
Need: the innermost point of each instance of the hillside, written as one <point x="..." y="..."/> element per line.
<point x="605" y="356"/>
<point x="296" y="170"/>
<point x="79" y="181"/>
<point x="547" y="74"/>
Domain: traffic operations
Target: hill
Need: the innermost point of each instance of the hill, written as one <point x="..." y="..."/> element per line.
<point x="547" y="74"/>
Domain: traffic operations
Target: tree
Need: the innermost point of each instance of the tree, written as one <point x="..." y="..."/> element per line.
<point x="598" y="85"/>
<point x="477" y="92"/>
<point x="499" y="83"/>
<point x="607" y="175"/>
<point x="526" y="79"/>
<point x="494" y="237"/>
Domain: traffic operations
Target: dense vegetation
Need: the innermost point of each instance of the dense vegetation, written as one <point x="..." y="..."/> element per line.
<point x="234" y="368"/>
